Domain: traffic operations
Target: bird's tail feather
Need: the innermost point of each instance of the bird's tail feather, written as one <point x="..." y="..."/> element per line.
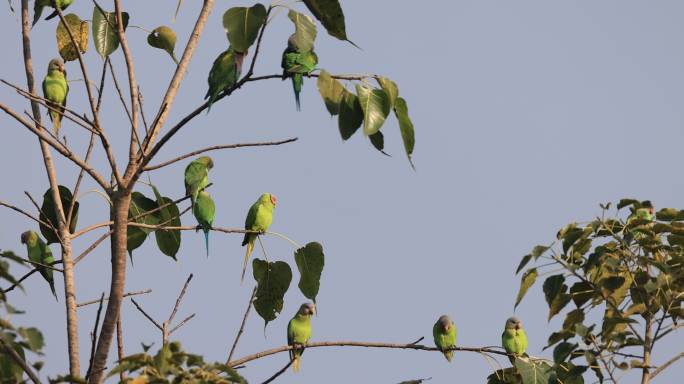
<point x="206" y="241"/>
<point x="250" y="247"/>
<point x="449" y="355"/>
<point x="296" y="364"/>
<point x="52" y="287"/>
<point x="297" y="81"/>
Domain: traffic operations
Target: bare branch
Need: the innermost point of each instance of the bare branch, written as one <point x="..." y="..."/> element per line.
<point x="182" y="323"/>
<point x="118" y="91"/>
<point x="135" y="293"/>
<point x="280" y="372"/>
<point x="156" y="324"/>
<point x="242" y="325"/>
<point x="217" y="147"/>
<point x="30" y="216"/>
<point x="93" y="336"/>
<point x="92" y="247"/>
<point x="179" y="299"/>
<point x="666" y="364"/>
<point x="26" y="276"/>
<point x="20" y="361"/>
<point x="417" y="347"/>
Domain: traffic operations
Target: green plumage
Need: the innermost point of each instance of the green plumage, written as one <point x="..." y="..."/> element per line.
<point x="224" y="74"/>
<point x="299" y="332"/>
<point x="38" y="6"/>
<point x="204" y="210"/>
<point x="296" y="64"/>
<point x="39" y="252"/>
<point x="444" y="334"/>
<point x="259" y="218"/>
<point x="55" y="90"/>
<point x="197" y="176"/>
<point x="514" y="339"/>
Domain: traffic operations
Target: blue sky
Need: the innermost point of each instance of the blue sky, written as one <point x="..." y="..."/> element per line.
<point x="528" y="114"/>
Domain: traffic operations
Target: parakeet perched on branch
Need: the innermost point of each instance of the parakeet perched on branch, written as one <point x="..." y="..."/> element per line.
<point x="38" y="6"/>
<point x="513" y="338"/>
<point x="259" y="218"/>
<point x="55" y="90"/>
<point x="197" y="176"/>
<point x="39" y="252"/>
<point x="204" y="210"/>
<point x="224" y="74"/>
<point x="296" y="64"/>
<point x="444" y="333"/>
<point x="299" y="332"/>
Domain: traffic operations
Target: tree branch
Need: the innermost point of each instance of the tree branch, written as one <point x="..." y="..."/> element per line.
<point x="92" y="247"/>
<point x="217" y="147"/>
<point x="156" y="324"/>
<point x="179" y="299"/>
<point x="30" y="216"/>
<point x="182" y="323"/>
<point x="280" y="372"/>
<point x="417" y="347"/>
<point x="93" y="336"/>
<point x="666" y="364"/>
<point x="20" y="361"/>
<point x="242" y="325"/>
<point x="135" y="293"/>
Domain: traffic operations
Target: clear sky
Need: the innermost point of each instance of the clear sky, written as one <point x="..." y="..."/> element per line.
<point x="528" y="114"/>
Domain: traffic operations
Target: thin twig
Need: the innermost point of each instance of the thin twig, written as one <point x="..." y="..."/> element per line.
<point x="666" y="364"/>
<point x="26" y="276"/>
<point x="182" y="323"/>
<point x="93" y="336"/>
<point x="242" y="325"/>
<point x="20" y="361"/>
<point x="118" y="91"/>
<point x="156" y="324"/>
<point x="30" y="216"/>
<point x="417" y="347"/>
<point x="92" y="247"/>
<point x="280" y="372"/>
<point x="179" y="299"/>
<point x="135" y="293"/>
<point x="217" y="147"/>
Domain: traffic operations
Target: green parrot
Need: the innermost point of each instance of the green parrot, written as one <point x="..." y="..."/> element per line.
<point x="38" y="6"/>
<point x="204" y="210"/>
<point x="514" y="339"/>
<point x="39" y="252"/>
<point x="197" y="176"/>
<point x="259" y="218"/>
<point x="56" y="89"/>
<point x="299" y="332"/>
<point x="297" y="64"/>
<point x="444" y="333"/>
<point x="224" y="73"/>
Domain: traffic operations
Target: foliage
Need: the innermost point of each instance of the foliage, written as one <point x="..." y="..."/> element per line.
<point x="627" y="270"/>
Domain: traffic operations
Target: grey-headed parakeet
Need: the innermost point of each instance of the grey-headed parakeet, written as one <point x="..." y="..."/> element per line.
<point x="38" y="6"/>
<point x="224" y="74"/>
<point x="259" y="218"/>
<point x="39" y="252"/>
<point x="299" y="332"/>
<point x="444" y="333"/>
<point x="204" y="210"/>
<point x="513" y="338"/>
<point x="197" y="176"/>
<point x="55" y="90"/>
<point x="296" y="64"/>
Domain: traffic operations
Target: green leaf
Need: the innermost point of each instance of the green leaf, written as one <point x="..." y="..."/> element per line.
<point x="11" y="372"/>
<point x="626" y="203"/>
<point x="573" y="317"/>
<point x="79" y="29"/>
<point x="594" y="364"/>
<point x="534" y="371"/>
<point x="406" y="127"/>
<point x="273" y="279"/>
<point x="137" y="235"/>
<point x="310" y="261"/>
<point x="562" y="351"/>
<point x="242" y="25"/>
<point x="305" y="31"/>
<point x="168" y="241"/>
<point x="378" y="141"/>
<point x="48" y="215"/>
<point x="331" y="90"/>
<point x="164" y="38"/>
<point x="504" y="376"/>
<point x="375" y="105"/>
<point x="390" y="88"/>
<point x="523" y="262"/>
<point x="581" y="292"/>
<point x="528" y="278"/>
<point x="554" y="293"/>
<point x="351" y="115"/>
<point x="33" y="338"/>
<point x="329" y="13"/>
<point x="104" y="35"/>
<point x="670" y="214"/>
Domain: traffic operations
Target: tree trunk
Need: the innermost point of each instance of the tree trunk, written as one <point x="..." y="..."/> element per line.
<point x="119" y="215"/>
<point x="70" y="299"/>
<point x="648" y="344"/>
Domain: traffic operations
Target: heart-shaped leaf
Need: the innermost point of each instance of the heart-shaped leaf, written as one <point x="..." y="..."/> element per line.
<point x="242" y="25"/>
<point x="273" y="279"/>
<point x="375" y="105"/>
<point x="47" y="214"/>
<point x="79" y="29"/>
<point x="305" y="31"/>
<point x="140" y="204"/>
<point x="351" y="115"/>
<point x="168" y="241"/>
<point x="310" y="261"/>
<point x="331" y="90"/>
<point x="329" y="13"/>
<point x="104" y="33"/>
<point x="164" y="38"/>
<point x="405" y="126"/>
